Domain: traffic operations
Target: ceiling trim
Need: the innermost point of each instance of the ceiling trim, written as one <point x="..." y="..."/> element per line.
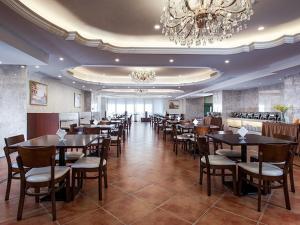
<point x="30" y="15"/>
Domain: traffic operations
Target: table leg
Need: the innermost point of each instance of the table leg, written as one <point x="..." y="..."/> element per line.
<point x="62" y="161"/>
<point x="244" y="153"/>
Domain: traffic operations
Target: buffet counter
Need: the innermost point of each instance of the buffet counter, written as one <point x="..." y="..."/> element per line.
<point x="252" y="125"/>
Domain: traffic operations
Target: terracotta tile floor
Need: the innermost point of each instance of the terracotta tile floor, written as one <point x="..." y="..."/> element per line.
<point x="148" y="184"/>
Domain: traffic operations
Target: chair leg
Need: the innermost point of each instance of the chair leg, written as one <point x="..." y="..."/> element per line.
<point x="286" y="193"/>
<point x="234" y="181"/>
<point x="201" y="174"/>
<point x="36" y="191"/>
<point x="223" y="176"/>
<point x="21" y="201"/>
<point x="68" y="197"/>
<point x="208" y="181"/>
<point x="100" y="184"/>
<point x="105" y="177"/>
<point x="8" y="185"/>
<point x="291" y="174"/>
<point x="259" y="195"/>
<point x="53" y="204"/>
<point x="239" y="181"/>
<point x="73" y="183"/>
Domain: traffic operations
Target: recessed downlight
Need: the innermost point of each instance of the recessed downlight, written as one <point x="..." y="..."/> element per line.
<point x="37" y="67"/>
<point x="156" y="26"/>
<point x="59" y="76"/>
<point x="74" y="82"/>
<point x="83" y="86"/>
<point x="171" y="60"/>
<point x="22" y="66"/>
<point x="227" y="61"/>
<point x="61" y="58"/>
<point x="117" y="60"/>
<point x="261" y="28"/>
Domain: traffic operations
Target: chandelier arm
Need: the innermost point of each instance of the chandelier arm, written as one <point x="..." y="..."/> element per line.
<point x="230" y="11"/>
<point x="178" y="24"/>
<point x="190" y="31"/>
<point x="187" y="4"/>
<point x="230" y="4"/>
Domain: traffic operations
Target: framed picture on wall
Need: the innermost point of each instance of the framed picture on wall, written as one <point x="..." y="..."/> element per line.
<point x="173" y="104"/>
<point x="77" y="100"/>
<point x="38" y="93"/>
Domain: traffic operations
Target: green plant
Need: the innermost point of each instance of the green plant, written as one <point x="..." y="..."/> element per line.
<point x="281" y="108"/>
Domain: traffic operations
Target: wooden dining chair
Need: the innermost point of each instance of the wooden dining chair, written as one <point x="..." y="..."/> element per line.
<point x="92" y="164"/>
<point x="166" y="130"/>
<point x="209" y="163"/>
<point x="199" y="131"/>
<point x="117" y="139"/>
<point x="265" y="172"/>
<point x="179" y="139"/>
<point x="254" y="158"/>
<point x="13" y="171"/>
<point x="230" y="153"/>
<point x="43" y="174"/>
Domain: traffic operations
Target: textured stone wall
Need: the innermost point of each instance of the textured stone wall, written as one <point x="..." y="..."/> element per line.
<point x="291" y="96"/>
<point x="218" y="101"/>
<point x="13" y="101"/>
<point x="194" y="108"/>
<point x="249" y="100"/>
<point x="87" y="101"/>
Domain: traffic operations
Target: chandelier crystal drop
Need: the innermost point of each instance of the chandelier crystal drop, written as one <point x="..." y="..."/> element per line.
<point x="198" y="22"/>
<point x="143" y="76"/>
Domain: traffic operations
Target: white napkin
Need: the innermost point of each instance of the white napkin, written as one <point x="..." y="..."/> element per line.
<point x="195" y="122"/>
<point x="61" y="133"/>
<point x="95" y="122"/>
<point x="242" y="131"/>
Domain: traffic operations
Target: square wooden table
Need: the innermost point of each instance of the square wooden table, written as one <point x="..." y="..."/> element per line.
<point x="70" y="141"/>
<point x="250" y="139"/>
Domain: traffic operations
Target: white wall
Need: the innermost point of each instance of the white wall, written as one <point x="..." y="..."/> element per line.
<point x="60" y="96"/>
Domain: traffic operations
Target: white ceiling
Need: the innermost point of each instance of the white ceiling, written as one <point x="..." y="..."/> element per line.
<point x="264" y="63"/>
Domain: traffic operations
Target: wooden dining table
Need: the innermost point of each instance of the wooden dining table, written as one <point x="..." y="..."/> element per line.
<point x="70" y="141"/>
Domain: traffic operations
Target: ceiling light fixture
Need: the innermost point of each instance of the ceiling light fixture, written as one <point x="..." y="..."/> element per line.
<point x="171" y="60"/>
<point x="74" y="82"/>
<point x="22" y="66"/>
<point x="156" y="26"/>
<point x="261" y="28"/>
<point x="227" y="61"/>
<point x="143" y="76"/>
<point x="37" y="67"/>
<point x="59" y="76"/>
<point x="189" y="22"/>
<point x="117" y="60"/>
<point x="61" y="58"/>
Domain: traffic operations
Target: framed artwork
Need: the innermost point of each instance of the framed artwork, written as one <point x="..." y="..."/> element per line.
<point x="38" y="93"/>
<point x="77" y="100"/>
<point x="173" y="104"/>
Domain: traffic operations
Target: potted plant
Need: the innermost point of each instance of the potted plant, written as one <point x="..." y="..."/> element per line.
<point x="282" y="109"/>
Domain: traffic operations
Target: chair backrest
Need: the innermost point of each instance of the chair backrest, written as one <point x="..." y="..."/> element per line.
<point x="105" y="148"/>
<point x="287" y="138"/>
<point x="201" y="130"/>
<point x="274" y="153"/>
<point x="104" y="122"/>
<point x="14" y="140"/>
<point x="120" y="131"/>
<point x="91" y="130"/>
<point x="203" y="146"/>
<point x="37" y="157"/>
<point x="73" y="129"/>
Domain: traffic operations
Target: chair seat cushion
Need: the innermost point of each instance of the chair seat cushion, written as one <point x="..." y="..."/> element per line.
<point x="218" y="160"/>
<point x="114" y="138"/>
<point x="43" y="174"/>
<point x="181" y="137"/>
<point x="71" y="156"/>
<point x="168" y="129"/>
<point x="267" y="168"/>
<point x="88" y="163"/>
<point x="229" y="153"/>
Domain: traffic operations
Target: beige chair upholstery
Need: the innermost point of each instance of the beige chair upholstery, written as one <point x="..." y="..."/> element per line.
<point x="229" y="153"/>
<point x="43" y="174"/>
<point x="267" y="168"/>
<point x="69" y="156"/>
<point x="88" y="163"/>
<point x="218" y="160"/>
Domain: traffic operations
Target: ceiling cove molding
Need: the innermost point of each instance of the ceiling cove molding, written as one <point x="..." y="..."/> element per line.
<point x="30" y="15"/>
<point x="268" y="71"/>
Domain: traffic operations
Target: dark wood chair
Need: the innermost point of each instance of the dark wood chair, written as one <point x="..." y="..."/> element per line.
<point x="214" y="162"/>
<point x="179" y="139"/>
<point x="92" y="164"/>
<point x="199" y="131"/>
<point x="291" y="168"/>
<point x="92" y="130"/>
<point x="13" y="171"/>
<point x="43" y="174"/>
<point x="230" y="153"/>
<point x="166" y="130"/>
<point x="265" y="172"/>
<point x="116" y="140"/>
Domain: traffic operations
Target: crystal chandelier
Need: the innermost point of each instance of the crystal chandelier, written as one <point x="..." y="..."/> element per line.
<point x="189" y="22"/>
<point x="143" y="76"/>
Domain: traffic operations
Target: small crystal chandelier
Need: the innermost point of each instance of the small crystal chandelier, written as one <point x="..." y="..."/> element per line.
<point x="142" y="76"/>
<point x="141" y="91"/>
<point x="189" y="22"/>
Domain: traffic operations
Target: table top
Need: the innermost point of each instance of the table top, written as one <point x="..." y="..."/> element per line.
<point x="105" y="126"/>
<point x="250" y="139"/>
<point x="71" y="141"/>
